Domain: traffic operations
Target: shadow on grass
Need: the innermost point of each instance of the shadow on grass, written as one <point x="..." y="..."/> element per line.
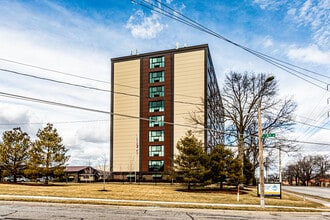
<point x="104" y="190"/>
<point x="214" y="190"/>
<point x="35" y="184"/>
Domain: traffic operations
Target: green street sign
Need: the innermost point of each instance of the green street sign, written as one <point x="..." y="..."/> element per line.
<point x="268" y="135"/>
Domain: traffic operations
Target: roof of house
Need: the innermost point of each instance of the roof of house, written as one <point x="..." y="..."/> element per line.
<point x="73" y="169"/>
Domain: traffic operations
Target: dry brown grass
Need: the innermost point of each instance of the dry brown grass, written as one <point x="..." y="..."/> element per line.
<point x="150" y="192"/>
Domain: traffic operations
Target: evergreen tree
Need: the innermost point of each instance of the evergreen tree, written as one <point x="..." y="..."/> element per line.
<point x="248" y="172"/>
<point x="48" y="155"/>
<point x="191" y="160"/>
<point x="223" y="165"/>
<point x="14" y="151"/>
<point x="235" y="178"/>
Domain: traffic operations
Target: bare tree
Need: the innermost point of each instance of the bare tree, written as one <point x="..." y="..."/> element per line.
<point x="239" y="107"/>
<point x="103" y="169"/>
<point x="323" y="165"/>
<point x="308" y="168"/>
<point x="291" y="174"/>
<point x="240" y="97"/>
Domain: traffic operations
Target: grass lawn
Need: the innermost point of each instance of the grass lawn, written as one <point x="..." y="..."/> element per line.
<point x="151" y="192"/>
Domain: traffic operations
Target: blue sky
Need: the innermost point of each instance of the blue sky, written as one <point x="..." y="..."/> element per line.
<point x="80" y="37"/>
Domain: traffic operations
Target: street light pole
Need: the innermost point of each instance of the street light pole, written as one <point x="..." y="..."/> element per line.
<point x="261" y="158"/>
<point x="261" y="148"/>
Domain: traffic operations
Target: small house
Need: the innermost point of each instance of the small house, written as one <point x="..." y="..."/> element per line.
<point x="80" y="174"/>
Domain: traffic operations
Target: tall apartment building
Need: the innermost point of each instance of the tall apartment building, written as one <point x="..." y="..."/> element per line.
<point x="154" y="98"/>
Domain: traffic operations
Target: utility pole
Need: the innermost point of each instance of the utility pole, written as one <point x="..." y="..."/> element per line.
<point x="280" y="163"/>
<point x="261" y="148"/>
<point x="261" y="158"/>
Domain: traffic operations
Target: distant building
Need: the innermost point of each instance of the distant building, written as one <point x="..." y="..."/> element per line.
<point x="154" y="97"/>
<point x="79" y="174"/>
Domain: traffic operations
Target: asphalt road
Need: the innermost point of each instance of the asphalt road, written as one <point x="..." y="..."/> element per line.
<point x="57" y="211"/>
<point x="321" y="192"/>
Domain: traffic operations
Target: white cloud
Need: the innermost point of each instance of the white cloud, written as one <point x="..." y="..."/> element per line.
<point x="314" y="14"/>
<point x="143" y="26"/>
<point x="269" y="4"/>
<point x="268" y="42"/>
<point x="310" y="54"/>
<point x="94" y="133"/>
<point x="15" y="115"/>
<point x="61" y="40"/>
<point x="307" y="13"/>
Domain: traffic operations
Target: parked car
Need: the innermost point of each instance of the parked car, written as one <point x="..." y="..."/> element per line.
<point x="19" y="178"/>
<point x="9" y="179"/>
<point x="43" y="179"/>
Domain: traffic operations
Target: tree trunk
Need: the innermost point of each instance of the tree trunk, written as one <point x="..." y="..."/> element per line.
<point x="241" y="154"/>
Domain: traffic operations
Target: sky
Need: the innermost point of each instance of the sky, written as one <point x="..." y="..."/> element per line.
<point x="60" y="51"/>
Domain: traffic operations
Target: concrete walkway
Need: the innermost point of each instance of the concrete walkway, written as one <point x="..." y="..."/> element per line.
<point x="152" y="203"/>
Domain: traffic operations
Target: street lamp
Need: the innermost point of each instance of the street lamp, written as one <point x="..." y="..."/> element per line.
<point x="261" y="150"/>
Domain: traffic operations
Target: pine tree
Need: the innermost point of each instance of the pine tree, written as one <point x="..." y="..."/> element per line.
<point x="14" y="151"/>
<point x="222" y="163"/>
<point x="191" y="160"/>
<point x="235" y="178"/>
<point x="48" y="155"/>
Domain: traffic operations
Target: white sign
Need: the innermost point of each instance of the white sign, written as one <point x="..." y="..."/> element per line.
<point x="271" y="189"/>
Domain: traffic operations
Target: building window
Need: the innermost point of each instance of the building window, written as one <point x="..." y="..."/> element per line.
<point x="156" y="165"/>
<point x="157" y="62"/>
<point x="156" y="106"/>
<point x="156" y="121"/>
<point x="156" y="91"/>
<point x="156" y="151"/>
<point x="156" y="77"/>
<point x="156" y="136"/>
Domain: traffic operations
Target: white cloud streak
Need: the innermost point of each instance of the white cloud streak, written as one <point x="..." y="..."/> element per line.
<point x="269" y="4"/>
<point x="310" y="54"/>
<point x="59" y="39"/>
<point x="143" y="26"/>
<point x="316" y="15"/>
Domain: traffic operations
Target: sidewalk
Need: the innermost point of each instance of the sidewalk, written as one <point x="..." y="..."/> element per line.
<point x="150" y="203"/>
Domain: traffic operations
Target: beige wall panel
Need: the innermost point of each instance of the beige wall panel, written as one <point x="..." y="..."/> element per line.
<point x="125" y="129"/>
<point x="189" y="71"/>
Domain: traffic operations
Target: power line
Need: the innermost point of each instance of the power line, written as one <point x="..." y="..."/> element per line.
<point x="52" y="80"/>
<point x="310" y="125"/>
<point x="306" y="142"/>
<point x="55" y="122"/>
<point x="87" y="87"/>
<point x="25" y="98"/>
<point x="176" y="15"/>
<point x="55" y="71"/>
<point x="309" y="131"/>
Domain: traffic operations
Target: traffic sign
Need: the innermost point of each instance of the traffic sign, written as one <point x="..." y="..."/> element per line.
<point x="267" y="135"/>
